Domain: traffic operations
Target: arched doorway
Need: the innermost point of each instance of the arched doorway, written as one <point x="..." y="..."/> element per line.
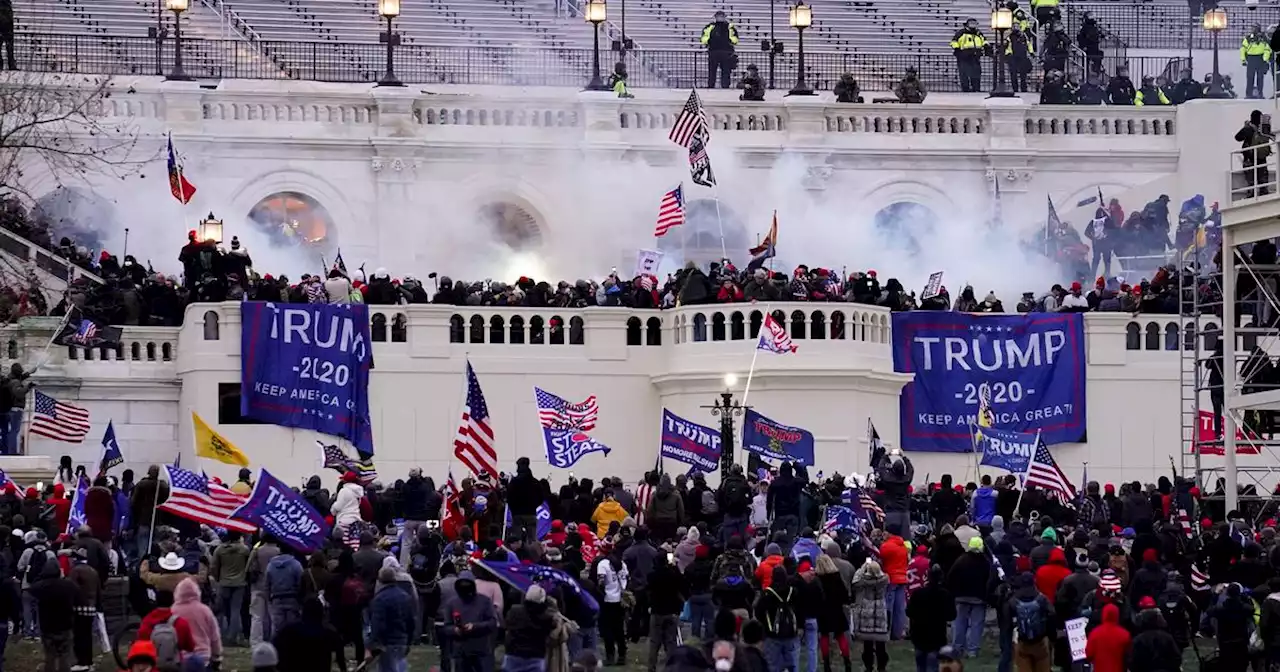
<point x="905" y="225"/>
<point x="698" y="239"/>
<point x="81" y="215"/>
<point x="293" y="219"/>
<point x="512" y="225"/>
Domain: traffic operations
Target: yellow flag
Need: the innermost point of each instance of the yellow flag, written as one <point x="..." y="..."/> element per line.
<point x="215" y="446"/>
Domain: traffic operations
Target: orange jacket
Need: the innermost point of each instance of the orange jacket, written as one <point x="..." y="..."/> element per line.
<point x="764" y="573"/>
<point x="893" y="559"/>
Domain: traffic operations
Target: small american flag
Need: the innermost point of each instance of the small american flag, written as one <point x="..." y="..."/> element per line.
<point x="1044" y="472"/>
<point x="691" y="122"/>
<point x="474" y="444"/>
<point x="194" y="497"/>
<point x="58" y="421"/>
<point x="839" y="518"/>
<point x="351" y="537"/>
<point x="556" y="413"/>
<point x="670" y="211"/>
<point x="1199" y="579"/>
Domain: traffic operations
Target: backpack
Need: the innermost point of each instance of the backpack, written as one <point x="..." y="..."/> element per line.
<point x="781" y="623"/>
<point x="733" y="565"/>
<point x="1029" y="619"/>
<point x="165" y="638"/>
<point x="737" y="495"/>
<point x="35" y="565"/>
<point x="354" y="592"/>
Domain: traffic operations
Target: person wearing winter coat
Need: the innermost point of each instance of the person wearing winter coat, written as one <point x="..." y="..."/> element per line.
<point x="666" y="511"/>
<point x="228" y="574"/>
<point x="1232" y="622"/>
<point x="256" y="573"/>
<point x="982" y="508"/>
<point x="205" y="634"/>
<point x="346" y="505"/>
<point x="870" y="619"/>
<point x="1049" y="577"/>
<point x="930" y="609"/>
<point x="1031" y="615"/>
<point x="284" y="590"/>
<point x="391" y="622"/>
<point x="1269" y="621"/>
<point x="1149" y="580"/>
<point x="608" y="511"/>
<point x="1109" y="644"/>
<point x="1152" y="648"/>
<point x="311" y="643"/>
<point x="833" y="622"/>
<point x="316" y="496"/>
<point x="777" y="610"/>
<point x="469" y="621"/>
<point x="968" y="582"/>
<point x="895" y="558"/>
<point x="687" y="550"/>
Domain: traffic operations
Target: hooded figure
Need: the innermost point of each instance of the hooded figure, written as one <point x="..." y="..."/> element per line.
<point x="666" y="513"/>
<point x="1109" y="643"/>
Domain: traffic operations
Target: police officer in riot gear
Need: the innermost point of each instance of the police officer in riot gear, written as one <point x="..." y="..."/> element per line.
<point x="720" y="37"/>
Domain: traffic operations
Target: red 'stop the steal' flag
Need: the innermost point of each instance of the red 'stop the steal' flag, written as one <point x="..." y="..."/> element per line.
<point x="178" y="184"/>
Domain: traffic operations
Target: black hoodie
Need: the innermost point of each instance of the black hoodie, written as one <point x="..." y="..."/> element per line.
<point x="784" y="493"/>
<point x="1154" y="649"/>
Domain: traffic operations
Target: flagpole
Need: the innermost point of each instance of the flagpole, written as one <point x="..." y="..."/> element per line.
<point x="1018" y="505"/>
<point x="715" y="194"/>
<point x="746" y="389"/>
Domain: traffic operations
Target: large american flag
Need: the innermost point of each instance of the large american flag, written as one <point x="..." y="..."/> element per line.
<point x="59" y="421"/>
<point x="691" y="122"/>
<point x="1044" y="472"/>
<point x="556" y="413"/>
<point x="474" y="443"/>
<point x="194" y="497"/>
<point x="670" y="211"/>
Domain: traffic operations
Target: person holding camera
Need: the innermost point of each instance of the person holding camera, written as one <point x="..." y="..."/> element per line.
<point x="1255" y="139"/>
<point x="720" y="37"/>
<point x="751" y="84"/>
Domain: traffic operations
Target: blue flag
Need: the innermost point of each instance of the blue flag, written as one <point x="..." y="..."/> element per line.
<point x="839" y="518"/>
<point x="805" y="546"/>
<point x="283" y="513"/>
<point x="111" y="455"/>
<point x="77" y="517"/>
<point x="1031" y="365"/>
<point x="776" y="441"/>
<point x="689" y="442"/>
<point x="520" y="576"/>
<point x="566" y="446"/>
<point x="1004" y="449"/>
<point x="307" y="366"/>
<point x="544" y="520"/>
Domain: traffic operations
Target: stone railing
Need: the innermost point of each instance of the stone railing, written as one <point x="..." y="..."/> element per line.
<point x="29" y="341"/>
<point x="260" y="108"/>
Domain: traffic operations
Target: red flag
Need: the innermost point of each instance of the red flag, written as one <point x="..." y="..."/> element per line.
<point x="178" y="184"/>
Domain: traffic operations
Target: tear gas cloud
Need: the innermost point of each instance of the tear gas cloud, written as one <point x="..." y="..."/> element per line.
<point x="615" y="202"/>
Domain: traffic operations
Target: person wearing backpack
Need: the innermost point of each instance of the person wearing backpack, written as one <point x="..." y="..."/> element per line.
<point x="1031" y="615"/>
<point x="31" y="566"/>
<point x="735" y="502"/>
<point x="347" y="598"/>
<point x="870" y="616"/>
<point x="776" y="611"/>
<point x="56" y="598"/>
<point x="170" y="634"/>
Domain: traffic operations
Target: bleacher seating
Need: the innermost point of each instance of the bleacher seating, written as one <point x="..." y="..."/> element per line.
<point x="534" y="41"/>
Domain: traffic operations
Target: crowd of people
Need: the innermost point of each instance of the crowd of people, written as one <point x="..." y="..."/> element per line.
<point x="755" y="574"/>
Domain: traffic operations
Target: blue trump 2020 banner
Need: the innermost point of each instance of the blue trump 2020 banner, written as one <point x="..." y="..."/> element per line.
<point x="776" y="441"/>
<point x="307" y="366"/>
<point x="277" y="509"/>
<point x="691" y="443"/>
<point x="566" y="446"/>
<point x="1004" y="449"/>
<point x="1033" y="366"/>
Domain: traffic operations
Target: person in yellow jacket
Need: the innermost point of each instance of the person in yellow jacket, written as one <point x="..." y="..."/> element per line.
<point x="720" y="37"/>
<point x="1019" y="52"/>
<point x="969" y="45"/>
<point x="1255" y="56"/>
<point x="1045" y="11"/>
<point x="1150" y="94"/>
<point x="608" y="511"/>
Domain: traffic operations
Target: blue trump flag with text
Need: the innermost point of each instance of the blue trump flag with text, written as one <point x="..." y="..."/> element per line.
<point x="689" y="442"/>
<point x="1033" y="366"/>
<point x="307" y="366"/>
<point x="566" y="446"/>
<point x="543" y="513"/>
<point x="283" y="513"/>
<point x="776" y="441"/>
<point x="1003" y="449"/>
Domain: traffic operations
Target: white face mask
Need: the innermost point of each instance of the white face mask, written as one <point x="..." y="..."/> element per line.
<point x="724" y="664"/>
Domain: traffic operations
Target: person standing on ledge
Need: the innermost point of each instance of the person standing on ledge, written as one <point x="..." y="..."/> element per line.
<point x="720" y="37"/>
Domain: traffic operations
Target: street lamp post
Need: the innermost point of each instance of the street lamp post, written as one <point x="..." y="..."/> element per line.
<point x="771" y="46"/>
<point x="595" y="12"/>
<point x="1215" y="21"/>
<point x="1001" y="22"/>
<point x="177" y="7"/>
<point x="801" y="17"/>
<point x="211" y="229"/>
<point x="390" y="9"/>
<point x="726" y="407"/>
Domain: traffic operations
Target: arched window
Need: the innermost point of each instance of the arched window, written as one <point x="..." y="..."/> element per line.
<point x="757" y="319"/>
<point x="1133" y="336"/>
<point x="400" y="328"/>
<point x="717" y="326"/>
<point x="906" y="224"/>
<point x="817" y="325"/>
<point x="781" y="318"/>
<point x="456" y="329"/>
<point x="837" y="326"/>
<point x="151" y="352"/>
<point x="511" y="224"/>
<point x="653" y="331"/>
<point x="699" y="327"/>
<point x="557" y="330"/>
<point x="797" y="324"/>
<point x="294" y="219"/>
<point x="576" y="331"/>
<point x="378" y="327"/>
<point x="1152" y="341"/>
<point x="536" y="334"/>
<point x="73" y="353"/>
<point x="1171" y="335"/>
<point x="737" y="326"/>
<point x="166" y="352"/>
<point x="477" y="329"/>
<point x="633" y="331"/>
<point x="211" y="325"/>
<point x="135" y="351"/>
<point x="517" y="330"/>
<point x="497" y="329"/>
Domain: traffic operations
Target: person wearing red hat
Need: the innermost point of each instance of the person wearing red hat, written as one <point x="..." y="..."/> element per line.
<point x="1074" y="301"/>
<point x="1109" y="643"/>
<point x="61" y="506"/>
